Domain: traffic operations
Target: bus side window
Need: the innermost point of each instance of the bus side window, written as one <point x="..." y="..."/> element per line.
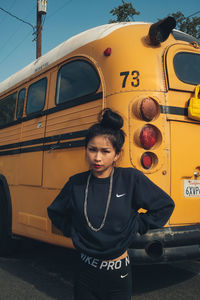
<point x="20" y="103"/>
<point x="36" y="96"/>
<point x="76" y="79"/>
<point x="7" y="109"/>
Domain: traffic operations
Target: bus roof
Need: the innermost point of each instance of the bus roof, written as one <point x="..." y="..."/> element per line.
<point x="61" y="50"/>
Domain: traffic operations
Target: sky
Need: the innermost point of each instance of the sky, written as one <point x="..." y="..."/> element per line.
<point x="64" y="19"/>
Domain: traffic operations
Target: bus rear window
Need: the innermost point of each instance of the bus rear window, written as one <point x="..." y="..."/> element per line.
<point x="7" y="109"/>
<point x="187" y="67"/>
<point x="76" y="79"/>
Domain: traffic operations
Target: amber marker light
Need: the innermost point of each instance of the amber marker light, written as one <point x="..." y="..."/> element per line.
<point x="148" y="109"/>
<point x="107" y="52"/>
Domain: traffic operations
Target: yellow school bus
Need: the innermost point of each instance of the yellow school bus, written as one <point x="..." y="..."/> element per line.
<point x="148" y="73"/>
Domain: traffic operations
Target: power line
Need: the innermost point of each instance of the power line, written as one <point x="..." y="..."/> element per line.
<point x="19" y="19"/>
<point x="5" y="43"/>
<point x="16" y="30"/>
<point x="194" y="14"/>
<point x="11" y="5"/>
<point x="18" y="45"/>
<point x="59" y="8"/>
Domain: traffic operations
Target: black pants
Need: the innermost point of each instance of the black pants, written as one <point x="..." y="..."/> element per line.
<point x="103" y="280"/>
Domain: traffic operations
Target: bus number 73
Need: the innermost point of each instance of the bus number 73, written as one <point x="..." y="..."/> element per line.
<point x="135" y="78"/>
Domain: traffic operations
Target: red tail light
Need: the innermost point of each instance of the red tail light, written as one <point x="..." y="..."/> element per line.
<point x="148" y="109"/>
<point x="148" y="137"/>
<point x="146" y="160"/>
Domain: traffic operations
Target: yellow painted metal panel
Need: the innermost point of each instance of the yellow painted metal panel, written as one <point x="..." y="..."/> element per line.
<point x="10" y="135"/>
<point x="9" y="164"/>
<point x="70" y="120"/>
<point x="185" y="160"/>
<point x="30" y="168"/>
<point x="33" y="221"/>
<point x="59" y="164"/>
<point x="33" y="204"/>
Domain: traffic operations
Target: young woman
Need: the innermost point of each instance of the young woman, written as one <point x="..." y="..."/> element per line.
<point x="98" y="209"/>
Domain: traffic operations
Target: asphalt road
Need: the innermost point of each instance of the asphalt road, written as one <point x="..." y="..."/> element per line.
<point x="40" y="272"/>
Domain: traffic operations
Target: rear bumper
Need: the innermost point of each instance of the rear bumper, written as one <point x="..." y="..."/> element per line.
<point x="166" y="244"/>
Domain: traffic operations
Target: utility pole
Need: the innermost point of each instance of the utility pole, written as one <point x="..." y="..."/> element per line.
<point x="41" y="9"/>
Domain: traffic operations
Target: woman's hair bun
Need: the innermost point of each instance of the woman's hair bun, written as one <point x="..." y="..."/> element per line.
<point x="110" y="119"/>
<point x="109" y="124"/>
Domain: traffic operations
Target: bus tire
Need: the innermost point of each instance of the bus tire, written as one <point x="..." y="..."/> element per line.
<point x="5" y="237"/>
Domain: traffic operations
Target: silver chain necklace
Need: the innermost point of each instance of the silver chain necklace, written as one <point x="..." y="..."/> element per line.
<point x="107" y="205"/>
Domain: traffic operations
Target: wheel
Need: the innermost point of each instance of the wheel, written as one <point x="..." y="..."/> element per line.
<point x="5" y="239"/>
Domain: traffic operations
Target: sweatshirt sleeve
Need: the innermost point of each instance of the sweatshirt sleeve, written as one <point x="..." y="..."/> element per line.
<point x="158" y="204"/>
<point x="60" y="210"/>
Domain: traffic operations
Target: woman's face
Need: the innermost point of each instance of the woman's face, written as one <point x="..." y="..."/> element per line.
<point x="101" y="156"/>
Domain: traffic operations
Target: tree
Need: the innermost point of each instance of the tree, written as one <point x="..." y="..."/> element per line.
<point x="124" y="12"/>
<point x="187" y="24"/>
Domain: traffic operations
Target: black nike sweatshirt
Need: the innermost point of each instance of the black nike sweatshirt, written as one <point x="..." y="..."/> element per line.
<point x="131" y="191"/>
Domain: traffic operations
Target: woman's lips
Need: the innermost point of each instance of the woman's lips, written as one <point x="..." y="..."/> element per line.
<point x="97" y="166"/>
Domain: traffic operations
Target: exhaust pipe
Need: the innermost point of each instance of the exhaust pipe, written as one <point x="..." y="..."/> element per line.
<point x="160" y="31"/>
<point x="154" y="249"/>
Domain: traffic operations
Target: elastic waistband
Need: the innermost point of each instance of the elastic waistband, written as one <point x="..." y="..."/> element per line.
<point x="107" y="265"/>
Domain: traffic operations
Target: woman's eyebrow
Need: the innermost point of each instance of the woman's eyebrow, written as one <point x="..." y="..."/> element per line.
<point x="103" y="148"/>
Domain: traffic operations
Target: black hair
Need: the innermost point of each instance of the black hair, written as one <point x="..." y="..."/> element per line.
<point x="109" y="124"/>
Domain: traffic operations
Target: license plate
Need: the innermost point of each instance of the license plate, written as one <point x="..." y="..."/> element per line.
<point x="192" y="188"/>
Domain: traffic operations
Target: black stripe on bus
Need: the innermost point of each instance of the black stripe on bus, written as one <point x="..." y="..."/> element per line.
<point x="50" y="147"/>
<point x="54" y="138"/>
<point x="174" y="110"/>
<point x="68" y="104"/>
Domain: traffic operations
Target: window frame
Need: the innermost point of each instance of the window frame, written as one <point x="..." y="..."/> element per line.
<point x="76" y="100"/>
<point x="16" y="116"/>
<point x="3" y="100"/>
<point x="45" y="94"/>
<point x="175" y="68"/>
<point x="172" y="81"/>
